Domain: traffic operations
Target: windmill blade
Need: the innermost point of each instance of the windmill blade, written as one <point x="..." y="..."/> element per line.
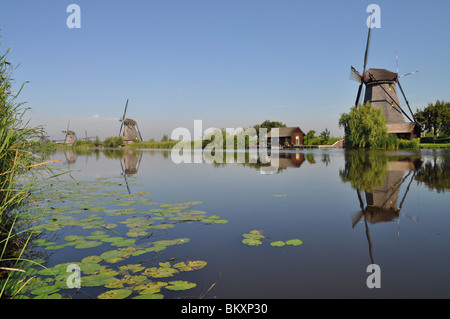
<point x="401" y="76"/>
<point x="366" y="54"/>
<point x="406" y="100"/>
<point x="354" y="75"/>
<point x="359" y="94"/>
<point x="139" y="162"/>
<point x="68" y="125"/>
<point x="366" y="57"/>
<point x="125" y="111"/>
<point x="123" y="117"/>
<point x="139" y="132"/>
<point x="387" y="93"/>
<point x="396" y="59"/>
<point x="125" y="177"/>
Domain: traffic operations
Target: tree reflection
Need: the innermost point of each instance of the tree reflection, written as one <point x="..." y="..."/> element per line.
<point x="435" y="172"/>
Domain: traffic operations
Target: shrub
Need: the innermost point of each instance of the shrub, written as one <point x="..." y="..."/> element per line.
<point x="113" y="141"/>
<point x="365" y="127"/>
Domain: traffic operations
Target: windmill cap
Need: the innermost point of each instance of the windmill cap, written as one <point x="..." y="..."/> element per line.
<point x="129" y="122"/>
<point x="379" y="75"/>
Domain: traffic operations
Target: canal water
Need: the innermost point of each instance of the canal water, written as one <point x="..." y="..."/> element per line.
<point x="305" y="224"/>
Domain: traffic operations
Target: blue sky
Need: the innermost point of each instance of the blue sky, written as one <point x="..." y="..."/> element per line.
<point x="230" y="63"/>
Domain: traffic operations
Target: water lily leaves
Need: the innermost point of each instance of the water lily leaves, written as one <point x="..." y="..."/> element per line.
<point x="45" y="290"/>
<point x="277" y="243"/>
<point x="253" y="238"/>
<point x="149" y="296"/>
<point x="160" y="272"/>
<point x="83" y="205"/>
<point x="88" y="244"/>
<point x="294" y="242"/>
<point x="127" y="280"/>
<point x="90" y="268"/>
<point x="123" y="242"/>
<point x="115" y="256"/>
<point x="190" y="265"/>
<point x="115" y="294"/>
<point x="180" y="285"/>
<point x="252" y="242"/>
<point x="132" y="268"/>
<point x="73" y="237"/>
<point x="96" y="280"/>
<point x="91" y="259"/>
<point x="98" y="234"/>
<point x="150" y="288"/>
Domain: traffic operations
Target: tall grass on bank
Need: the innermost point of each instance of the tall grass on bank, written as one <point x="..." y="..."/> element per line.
<point x="18" y="172"/>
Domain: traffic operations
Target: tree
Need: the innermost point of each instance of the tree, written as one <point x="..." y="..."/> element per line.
<point x="325" y="135"/>
<point x="364" y="127"/>
<point x="309" y="135"/>
<point x="268" y="125"/>
<point x="435" y="118"/>
<point x="165" y="138"/>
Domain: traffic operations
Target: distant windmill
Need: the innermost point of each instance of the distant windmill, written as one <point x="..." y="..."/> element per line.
<point x="381" y="92"/>
<point x="70" y="135"/>
<point x="130" y="128"/>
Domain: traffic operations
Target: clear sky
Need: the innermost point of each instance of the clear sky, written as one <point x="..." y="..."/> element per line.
<point x="230" y="63"/>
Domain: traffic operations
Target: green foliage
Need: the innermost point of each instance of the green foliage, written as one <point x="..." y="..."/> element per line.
<point x="18" y="174"/>
<point x="268" y="125"/>
<point x="412" y="144"/>
<point x="83" y="144"/>
<point x="97" y="142"/>
<point x="113" y="141"/>
<point x="325" y="135"/>
<point x="165" y="138"/>
<point x="365" y="127"/>
<point x="435" y="118"/>
<point x="365" y="170"/>
<point x="309" y="136"/>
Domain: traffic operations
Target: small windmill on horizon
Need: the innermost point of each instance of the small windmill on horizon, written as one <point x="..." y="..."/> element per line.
<point x="130" y="128"/>
<point x="70" y="137"/>
<point x="381" y="92"/>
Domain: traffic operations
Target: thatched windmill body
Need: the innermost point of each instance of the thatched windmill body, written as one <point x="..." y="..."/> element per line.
<point x="71" y="136"/>
<point x="130" y="128"/>
<point x="381" y="92"/>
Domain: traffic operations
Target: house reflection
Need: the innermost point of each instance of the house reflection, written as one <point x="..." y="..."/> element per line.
<point x="275" y="163"/>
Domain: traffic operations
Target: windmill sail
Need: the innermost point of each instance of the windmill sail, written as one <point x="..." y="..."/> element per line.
<point x="70" y="137"/>
<point x="381" y="92"/>
<point x="129" y="126"/>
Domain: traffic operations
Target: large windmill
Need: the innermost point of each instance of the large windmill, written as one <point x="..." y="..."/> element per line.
<point x="130" y="128"/>
<point x="381" y="92"/>
<point x="71" y="137"/>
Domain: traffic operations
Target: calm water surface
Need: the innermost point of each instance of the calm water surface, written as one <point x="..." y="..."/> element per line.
<point x="350" y="209"/>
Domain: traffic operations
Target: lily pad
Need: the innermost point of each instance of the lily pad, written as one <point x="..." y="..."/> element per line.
<point x="150" y="287"/>
<point x="277" y="243"/>
<point x="160" y="272"/>
<point x="190" y="265"/>
<point x="180" y="285"/>
<point x="252" y="242"/>
<point x="294" y="242"/>
<point x="88" y="244"/>
<point x="45" y="290"/>
<point x="115" y="294"/>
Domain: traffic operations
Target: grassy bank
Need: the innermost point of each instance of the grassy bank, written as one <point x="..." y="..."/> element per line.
<point x="431" y="145"/>
<point x="19" y="171"/>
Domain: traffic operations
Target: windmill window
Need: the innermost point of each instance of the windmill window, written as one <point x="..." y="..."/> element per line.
<point x="390" y="87"/>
